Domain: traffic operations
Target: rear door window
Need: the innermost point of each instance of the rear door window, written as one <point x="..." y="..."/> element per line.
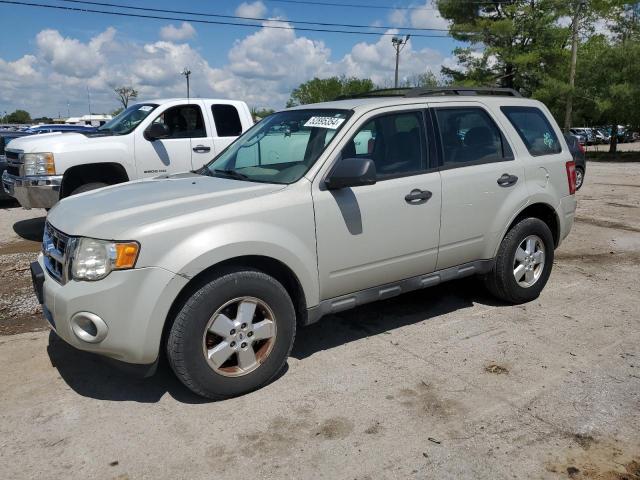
<point x="534" y="129"/>
<point x="227" y="120"/>
<point x="469" y="136"/>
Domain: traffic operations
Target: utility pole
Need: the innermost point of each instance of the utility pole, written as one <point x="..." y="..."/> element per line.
<point x="398" y="44"/>
<point x="574" y="61"/>
<point x="68" y="109"/>
<point x="89" y="101"/>
<point x="186" y="72"/>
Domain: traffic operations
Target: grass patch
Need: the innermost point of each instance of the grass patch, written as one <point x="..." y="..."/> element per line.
<point x="613" y="157"/>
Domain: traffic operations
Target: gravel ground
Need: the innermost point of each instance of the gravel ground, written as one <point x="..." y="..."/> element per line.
<point x="443" y="383"/>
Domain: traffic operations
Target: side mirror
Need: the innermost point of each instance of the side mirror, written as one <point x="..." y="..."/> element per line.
<point x="351" y="172"/>
<point x="156" y="131"/>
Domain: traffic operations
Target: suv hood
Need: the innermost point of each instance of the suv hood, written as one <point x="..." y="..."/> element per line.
<point x="129" y="210"/>
<point x="47" y="142"/>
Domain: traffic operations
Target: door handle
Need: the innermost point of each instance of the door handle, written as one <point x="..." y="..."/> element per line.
<point x="201" y="149"/>
<point x="417" y="196"/>
<point x="507" y="180"/>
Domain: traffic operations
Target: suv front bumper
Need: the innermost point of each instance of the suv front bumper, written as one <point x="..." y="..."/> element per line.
<point x="129" y="309"/>
<point x="33" y="192"/>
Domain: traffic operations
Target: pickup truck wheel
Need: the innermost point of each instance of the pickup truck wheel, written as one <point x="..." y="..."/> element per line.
<point x="233" y="335"/>
<point x="88" y="187"/>
<point x="579" y="177"/>
<point x="523" y="264"/>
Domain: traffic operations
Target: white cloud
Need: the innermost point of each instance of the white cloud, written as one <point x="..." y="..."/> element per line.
<point x="177" y="34"/>
<point x="420" y="15"/>
<point x="251" y="10"/>
<point x="261" y="68"/>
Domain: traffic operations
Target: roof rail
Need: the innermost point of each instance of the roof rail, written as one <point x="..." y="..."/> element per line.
<point x="381" y="92"/>
<point x="433" y="91"/>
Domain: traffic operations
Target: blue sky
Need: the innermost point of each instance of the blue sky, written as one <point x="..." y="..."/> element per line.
<point x="49" y="54"/>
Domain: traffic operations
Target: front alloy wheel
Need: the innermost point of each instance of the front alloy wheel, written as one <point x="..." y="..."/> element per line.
<point x="239" y="336"/>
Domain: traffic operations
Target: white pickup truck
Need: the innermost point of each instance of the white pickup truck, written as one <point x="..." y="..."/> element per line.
<point x="146" y="140"/>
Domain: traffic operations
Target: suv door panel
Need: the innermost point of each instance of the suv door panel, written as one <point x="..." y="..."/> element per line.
<point x="475" y="207"/>
<point x="371" y="235"/>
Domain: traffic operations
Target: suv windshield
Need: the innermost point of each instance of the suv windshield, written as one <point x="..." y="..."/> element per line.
<point x="127" y="120"/>
<point x="281" y="148"/>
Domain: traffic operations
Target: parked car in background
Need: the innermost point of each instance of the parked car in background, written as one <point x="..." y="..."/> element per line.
<point x="586" y="133"/>
<point x="146" y="140"/>
<point x="315" y="210"/>
<point x="579" y="157"/>
<point x="602" y="135"/>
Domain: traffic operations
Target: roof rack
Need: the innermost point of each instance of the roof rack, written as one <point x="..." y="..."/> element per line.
<point x="433" y="91"/>
<point x="429" y="91"/>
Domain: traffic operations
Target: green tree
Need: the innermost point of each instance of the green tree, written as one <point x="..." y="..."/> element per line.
<point x="19" y="116"/>
<point x="510" y="43"/>
<point x="326" y="89"/>
<point x="42" y="120"/>
<point x="425" y="80"/>
<point x="261" y="112"/>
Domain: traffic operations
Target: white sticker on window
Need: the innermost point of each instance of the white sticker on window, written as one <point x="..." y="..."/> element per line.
<point x="146" y="108"/>
<point x="324" y="122"/>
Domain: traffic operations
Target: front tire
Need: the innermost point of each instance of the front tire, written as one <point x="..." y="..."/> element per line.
<point x="87" y="187"/>
<point x="233" y="335"/>
<point x="523" y="263"/>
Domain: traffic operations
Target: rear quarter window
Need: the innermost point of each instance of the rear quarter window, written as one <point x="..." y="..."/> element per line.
<point x="534" y="129"/>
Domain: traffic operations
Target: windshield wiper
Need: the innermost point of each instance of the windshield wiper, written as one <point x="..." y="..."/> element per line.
<point x="231" y="173"/>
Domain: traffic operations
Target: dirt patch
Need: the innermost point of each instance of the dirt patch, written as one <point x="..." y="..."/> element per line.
<point x="425" y="402"/>
<point x="618" y="184"/>
<point x="597" y="460"/>
<point x="23" y="246"/>
<point x="599" y="222"/>
<point x="334" y="428"/>
<point x="621" y="205"/>
<point x="496" y="369"/>
<point x="20" y="311"/>
<point x="600" y="258"/>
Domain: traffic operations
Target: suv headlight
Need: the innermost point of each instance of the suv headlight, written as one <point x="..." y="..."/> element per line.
<point x="38" y="163"/>
<point x="95" y="259"/>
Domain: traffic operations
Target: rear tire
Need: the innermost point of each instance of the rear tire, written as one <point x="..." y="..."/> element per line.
<point x="87" y="187"/>
<point x="579" y="177"/>
<point x="516" y="277"/>
<point x="217" y="345"/>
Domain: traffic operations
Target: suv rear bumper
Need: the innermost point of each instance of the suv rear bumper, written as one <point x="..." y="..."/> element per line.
<point x="121" y="316"/>
<point x="33" y="192"/>
<point x="566" y="215"/>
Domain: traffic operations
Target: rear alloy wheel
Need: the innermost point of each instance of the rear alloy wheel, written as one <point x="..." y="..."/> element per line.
<point x="233" y="334"/>
<point x="579" y="177"/>
<point x="528" y="262"/>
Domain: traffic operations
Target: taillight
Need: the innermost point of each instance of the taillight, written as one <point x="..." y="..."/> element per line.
<point x="581" y="147"/>
<point x="571" y="176"/>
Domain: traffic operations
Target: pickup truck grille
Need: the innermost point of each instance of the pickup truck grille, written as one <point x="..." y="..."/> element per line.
<point x="12" y="157"/>
<point x="15" y="171"/>
<point x="56" y="248"/>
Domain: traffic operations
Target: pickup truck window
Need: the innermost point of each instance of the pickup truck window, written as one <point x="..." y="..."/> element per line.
<point x="281" y="148"/>
<point x="227" y="120"/>
<point x="184" y="121"/>
<point x="127" y="120"/>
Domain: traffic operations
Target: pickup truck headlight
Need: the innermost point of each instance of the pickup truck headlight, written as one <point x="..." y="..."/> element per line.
<point x="95" y="259"/>
<point x="38" y="163"/>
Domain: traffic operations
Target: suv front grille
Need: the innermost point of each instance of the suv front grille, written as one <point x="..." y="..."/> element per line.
<point x="56" y="248"/>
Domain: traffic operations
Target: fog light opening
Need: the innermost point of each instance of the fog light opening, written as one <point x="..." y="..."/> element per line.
<point x="89" y="327"/>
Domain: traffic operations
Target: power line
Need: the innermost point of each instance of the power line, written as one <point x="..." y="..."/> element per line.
<point x="255" y="19"/>
<point x="380" y="7"/>
<point x="210" y="22"/>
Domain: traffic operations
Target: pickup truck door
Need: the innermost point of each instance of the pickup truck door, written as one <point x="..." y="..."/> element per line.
<point x="377" y="234"/>
<point x="171" y="155"/>
<point x="226" y="125"/>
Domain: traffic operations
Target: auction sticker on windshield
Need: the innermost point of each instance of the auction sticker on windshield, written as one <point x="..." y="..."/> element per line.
<point x="146" y="108"/>
<point x="324" y="122"/>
